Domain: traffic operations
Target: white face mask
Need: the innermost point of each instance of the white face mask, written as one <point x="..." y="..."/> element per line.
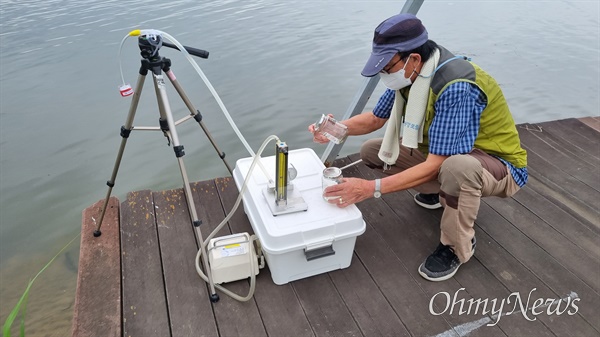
<point x="397" y="80"/>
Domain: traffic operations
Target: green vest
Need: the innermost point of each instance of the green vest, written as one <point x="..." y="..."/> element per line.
<point x="498" y="134"/>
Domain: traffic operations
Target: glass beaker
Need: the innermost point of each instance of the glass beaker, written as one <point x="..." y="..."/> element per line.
<point x="332" y="129"/>
<point x="331" y="176"/>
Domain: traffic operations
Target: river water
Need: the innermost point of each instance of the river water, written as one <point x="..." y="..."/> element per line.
<point x="277" y="66"/>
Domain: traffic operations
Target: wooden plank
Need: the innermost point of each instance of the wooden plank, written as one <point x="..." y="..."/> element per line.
<point x="471" y="277"/>
<point x="324" y="307"/>
<point x="280" y="309"/>
<point x="577" y="145"/>
<point x="482" y="284"/>
<point x="570" y="133"/>
<point x="574" y="131"/>
<point x="234" y="318"/>
<point x="367" y="305"/>
<point x="144" y="303"/>
<point x="413" y="236"/>
<point x="592" y="122"/>
<point x="190" y="309"/>
<point x="412" y="244"/>
<point x="560" y="144"/>
<point x="563" y="183"/>
<point x="97" y="310"/>
<point x="560" y="198"/>
<point x="522" y="281"/>
<point x="559" y="281"/>
<point x="578" y="233"/>
<point x="585" y="327"/>
<point x="399" y="288"/>
<point x="480" y="287"/>
<point x="561" y="156"/>
<point x="571" y="257"/>
<point x="547" y="171"/>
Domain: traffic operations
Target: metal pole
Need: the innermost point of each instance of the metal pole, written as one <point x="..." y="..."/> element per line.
<point x="364" y="93"/>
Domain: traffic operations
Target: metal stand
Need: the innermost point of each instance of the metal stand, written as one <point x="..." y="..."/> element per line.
<point x="151" y="61"/>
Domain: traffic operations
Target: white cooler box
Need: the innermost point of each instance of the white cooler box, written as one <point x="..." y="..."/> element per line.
<point x="306" y="243"/>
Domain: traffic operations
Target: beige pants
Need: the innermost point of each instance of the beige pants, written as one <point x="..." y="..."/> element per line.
<point x="462" y="181"/>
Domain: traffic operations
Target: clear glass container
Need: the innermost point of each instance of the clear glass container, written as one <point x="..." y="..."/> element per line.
<point x="332" y="129"/>
<point x="331" y="176"/>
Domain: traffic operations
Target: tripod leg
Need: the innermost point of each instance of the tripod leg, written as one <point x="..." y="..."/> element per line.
<point x="165" y="111"/>
<point x="125" y="131"/>
<point x="197" y="116"/>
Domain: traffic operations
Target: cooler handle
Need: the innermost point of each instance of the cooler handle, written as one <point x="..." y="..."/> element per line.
<point x="318" y="253"/>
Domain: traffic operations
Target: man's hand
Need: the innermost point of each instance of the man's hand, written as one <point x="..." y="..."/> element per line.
<point x="317" y="136"/>
<point x="350" y="191"/>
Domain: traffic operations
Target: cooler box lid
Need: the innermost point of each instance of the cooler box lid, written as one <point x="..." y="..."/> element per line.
<point x="320" y="225"/>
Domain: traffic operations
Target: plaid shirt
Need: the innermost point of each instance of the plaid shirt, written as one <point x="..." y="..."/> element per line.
<point x="456" y="122"/>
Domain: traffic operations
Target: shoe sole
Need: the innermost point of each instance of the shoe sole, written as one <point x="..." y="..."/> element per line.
<point x="438" y="279"/>
<point x="428" y="206"/>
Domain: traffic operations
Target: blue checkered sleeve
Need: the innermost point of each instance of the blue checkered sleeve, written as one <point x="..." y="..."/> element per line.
<point x="383" y="108"/>
<point x="456" y="122"/>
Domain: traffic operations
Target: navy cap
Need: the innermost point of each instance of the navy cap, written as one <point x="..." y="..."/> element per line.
<point x="400" y="33"/>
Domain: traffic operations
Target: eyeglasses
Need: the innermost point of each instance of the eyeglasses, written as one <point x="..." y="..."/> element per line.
<point x="386" y="71"/>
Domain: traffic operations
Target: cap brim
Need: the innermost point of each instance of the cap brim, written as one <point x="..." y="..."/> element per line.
<point x="376" y="63"/>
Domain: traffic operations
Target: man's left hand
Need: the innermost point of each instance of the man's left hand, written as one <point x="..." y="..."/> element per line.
<point x="350" y="191"/>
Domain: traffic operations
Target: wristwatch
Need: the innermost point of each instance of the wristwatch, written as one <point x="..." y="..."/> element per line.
<point x="377" y="193"/>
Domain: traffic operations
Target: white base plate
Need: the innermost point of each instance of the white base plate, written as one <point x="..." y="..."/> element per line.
<point x="295" y="202"/>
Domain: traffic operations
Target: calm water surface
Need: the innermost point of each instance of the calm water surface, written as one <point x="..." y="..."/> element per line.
<point x="277" y="65"/>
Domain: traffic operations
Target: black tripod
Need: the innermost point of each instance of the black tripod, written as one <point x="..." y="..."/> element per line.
<point x="152" y="61"/>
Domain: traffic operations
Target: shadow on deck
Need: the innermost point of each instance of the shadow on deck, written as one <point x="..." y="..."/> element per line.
<point x="139" y="279"/>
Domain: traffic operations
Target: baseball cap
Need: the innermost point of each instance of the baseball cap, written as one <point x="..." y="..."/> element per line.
<point x="399" y="33"/>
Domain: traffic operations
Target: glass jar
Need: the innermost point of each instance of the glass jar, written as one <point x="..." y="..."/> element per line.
<point x="332" y="129"/>
<point x="331" y="176"/>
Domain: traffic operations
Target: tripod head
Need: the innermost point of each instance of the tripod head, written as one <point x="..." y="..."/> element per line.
<point x="150" y="44"/>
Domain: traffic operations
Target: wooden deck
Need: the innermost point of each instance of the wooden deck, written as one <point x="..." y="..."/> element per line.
<point x="541" y="244"/>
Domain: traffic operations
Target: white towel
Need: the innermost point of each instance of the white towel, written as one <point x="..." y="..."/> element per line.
<point x="411" y="130"/>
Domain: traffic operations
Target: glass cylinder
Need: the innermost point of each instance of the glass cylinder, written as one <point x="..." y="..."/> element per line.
<point x="331" y="176"/>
